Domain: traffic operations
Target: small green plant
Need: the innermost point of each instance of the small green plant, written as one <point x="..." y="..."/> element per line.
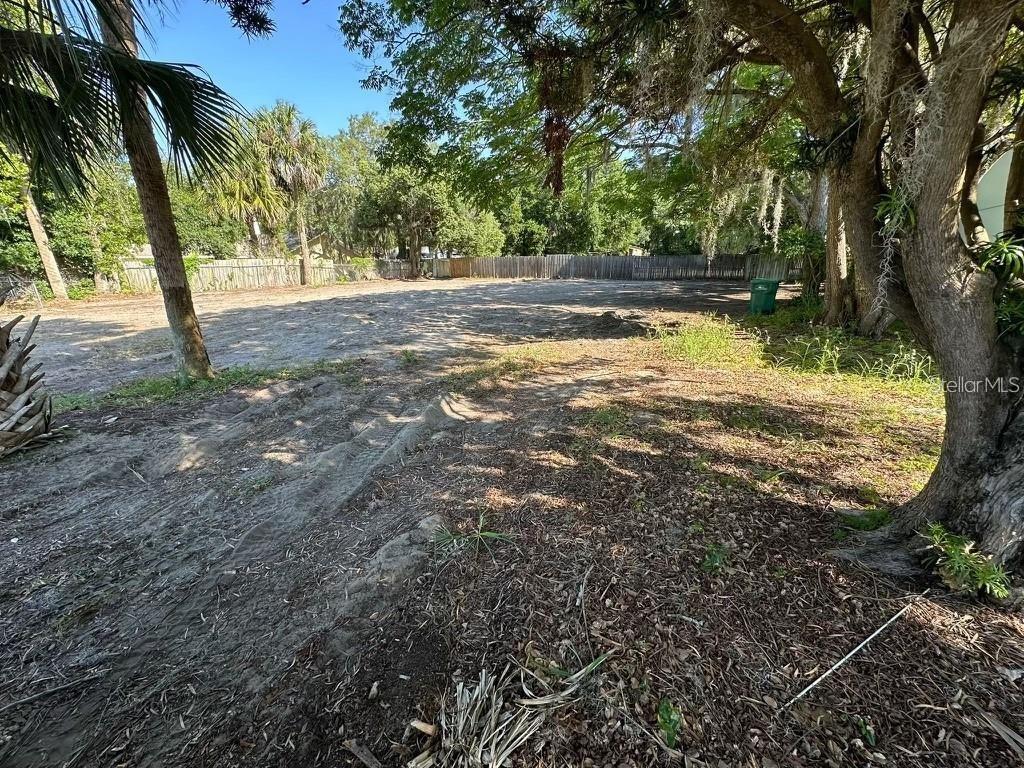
<point x="895" y="211"/>
<point x="772" y="477"/>
<point x="867" y="732"/>
<point x="408" y="358"/>
<point x="451" y="542"/>
<point x="192" y="262"/>
<point x="1003" y="257"/>
<point x="670" y="719"/>
<point x="715" y="558"/>
<point x="45" y="291"/>
<point x="962" y="567"/>
<point x="1010" y="314"/>
<point x="904" y="362"/>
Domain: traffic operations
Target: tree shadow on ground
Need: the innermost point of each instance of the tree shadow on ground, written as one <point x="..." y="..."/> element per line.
<point x="88" y="353"/>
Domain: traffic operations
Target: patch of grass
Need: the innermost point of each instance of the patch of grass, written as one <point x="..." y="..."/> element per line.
<point x="756" y="418"/>
<point x="513" y="365"/>
<point x="715" y="558"/>
<point x="81" y="289"/>
<point x="408" y="358"/>
<point x="834" y="351"/>
<point x="961" y="566"/>
<point x="669" y="721"/>
<point x="701" y="463"/>
<point x="869" y="495"/>
<point x="870" y="520"/>
<point x="771" y="477"/>
<point x="710" y="340"/>
<point x="609" y="421"/>
<point x="162" y="389"/>
<point x="790" y="315"/>
<point x="453" y="542"/>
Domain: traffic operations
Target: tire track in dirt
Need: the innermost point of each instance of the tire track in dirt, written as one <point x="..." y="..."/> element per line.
<point x="187" y="592"/>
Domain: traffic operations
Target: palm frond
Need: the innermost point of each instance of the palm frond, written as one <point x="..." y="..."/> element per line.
<point x="65" y="97"/>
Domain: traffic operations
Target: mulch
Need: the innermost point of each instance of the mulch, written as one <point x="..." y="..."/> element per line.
<point x="683" y="522"/>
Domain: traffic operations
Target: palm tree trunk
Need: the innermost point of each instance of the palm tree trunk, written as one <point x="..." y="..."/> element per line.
<point x="300" y="224"/>
<point x="154" y="199"/>
<point x="35" y="223"/>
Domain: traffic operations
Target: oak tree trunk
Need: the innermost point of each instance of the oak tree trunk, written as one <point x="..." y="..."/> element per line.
<point x="839" y="295"/>
<point x="155" y="202"/>
<point x="35" y="223"/>
<point x="978" y="486"/>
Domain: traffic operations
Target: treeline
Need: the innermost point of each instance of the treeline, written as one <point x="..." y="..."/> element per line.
<point x="287" y="184"/>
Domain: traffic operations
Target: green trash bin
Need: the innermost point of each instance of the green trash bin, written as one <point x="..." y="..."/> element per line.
<point x="762" y="296"/>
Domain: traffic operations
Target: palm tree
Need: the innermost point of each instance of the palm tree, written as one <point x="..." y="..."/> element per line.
<point x="244" y="189"/>
<point x="67" y="100"/>
<point x="297" y="159"/>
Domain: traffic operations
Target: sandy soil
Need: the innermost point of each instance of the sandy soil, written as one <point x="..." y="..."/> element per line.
<point x="92" y="346"/>
<point x="163" y="567"/>
<point x="254" y="579"/>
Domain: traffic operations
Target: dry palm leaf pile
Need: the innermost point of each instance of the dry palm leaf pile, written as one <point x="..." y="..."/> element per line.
<point x="483" y="725"/>
<point x="25" y="409"/>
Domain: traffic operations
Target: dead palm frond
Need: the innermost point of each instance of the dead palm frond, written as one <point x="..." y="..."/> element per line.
<point x="483" y="724"/>
<point x="25" y="409"/>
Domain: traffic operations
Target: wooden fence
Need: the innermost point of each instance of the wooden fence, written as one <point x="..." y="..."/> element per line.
<point x="615" y="267"/>
<point x="252" y="274"/>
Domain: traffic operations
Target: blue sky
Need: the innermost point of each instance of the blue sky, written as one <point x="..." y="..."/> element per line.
<point x="304" y="62"/>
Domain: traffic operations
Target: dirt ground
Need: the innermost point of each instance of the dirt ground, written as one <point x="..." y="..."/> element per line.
<point x="271" y="576"/>
<point x="94" y="345"/>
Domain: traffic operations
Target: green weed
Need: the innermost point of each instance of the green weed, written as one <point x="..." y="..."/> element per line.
<point x="408" y="358"/>
<point x="609" y="421"/>
<point x="81" y="289"/>
<point x="670" y="719"/>
<point x="711" y="340"/>
<point x="715" y="558"/>
<point x="452" y="542"/>
<point x="513" y="365"/>
<point x="961" y="566"/>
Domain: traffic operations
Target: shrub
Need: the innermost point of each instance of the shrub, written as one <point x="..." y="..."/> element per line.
<point x="81" y="289"/>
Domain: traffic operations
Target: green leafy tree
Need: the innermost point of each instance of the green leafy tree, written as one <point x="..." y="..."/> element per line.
<point x="471" y="233"/>
<point x="352" y="166"/>
<point x="202" y="233"/>
<point x="94" y="232"/>
<point x="404" y="208"/>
